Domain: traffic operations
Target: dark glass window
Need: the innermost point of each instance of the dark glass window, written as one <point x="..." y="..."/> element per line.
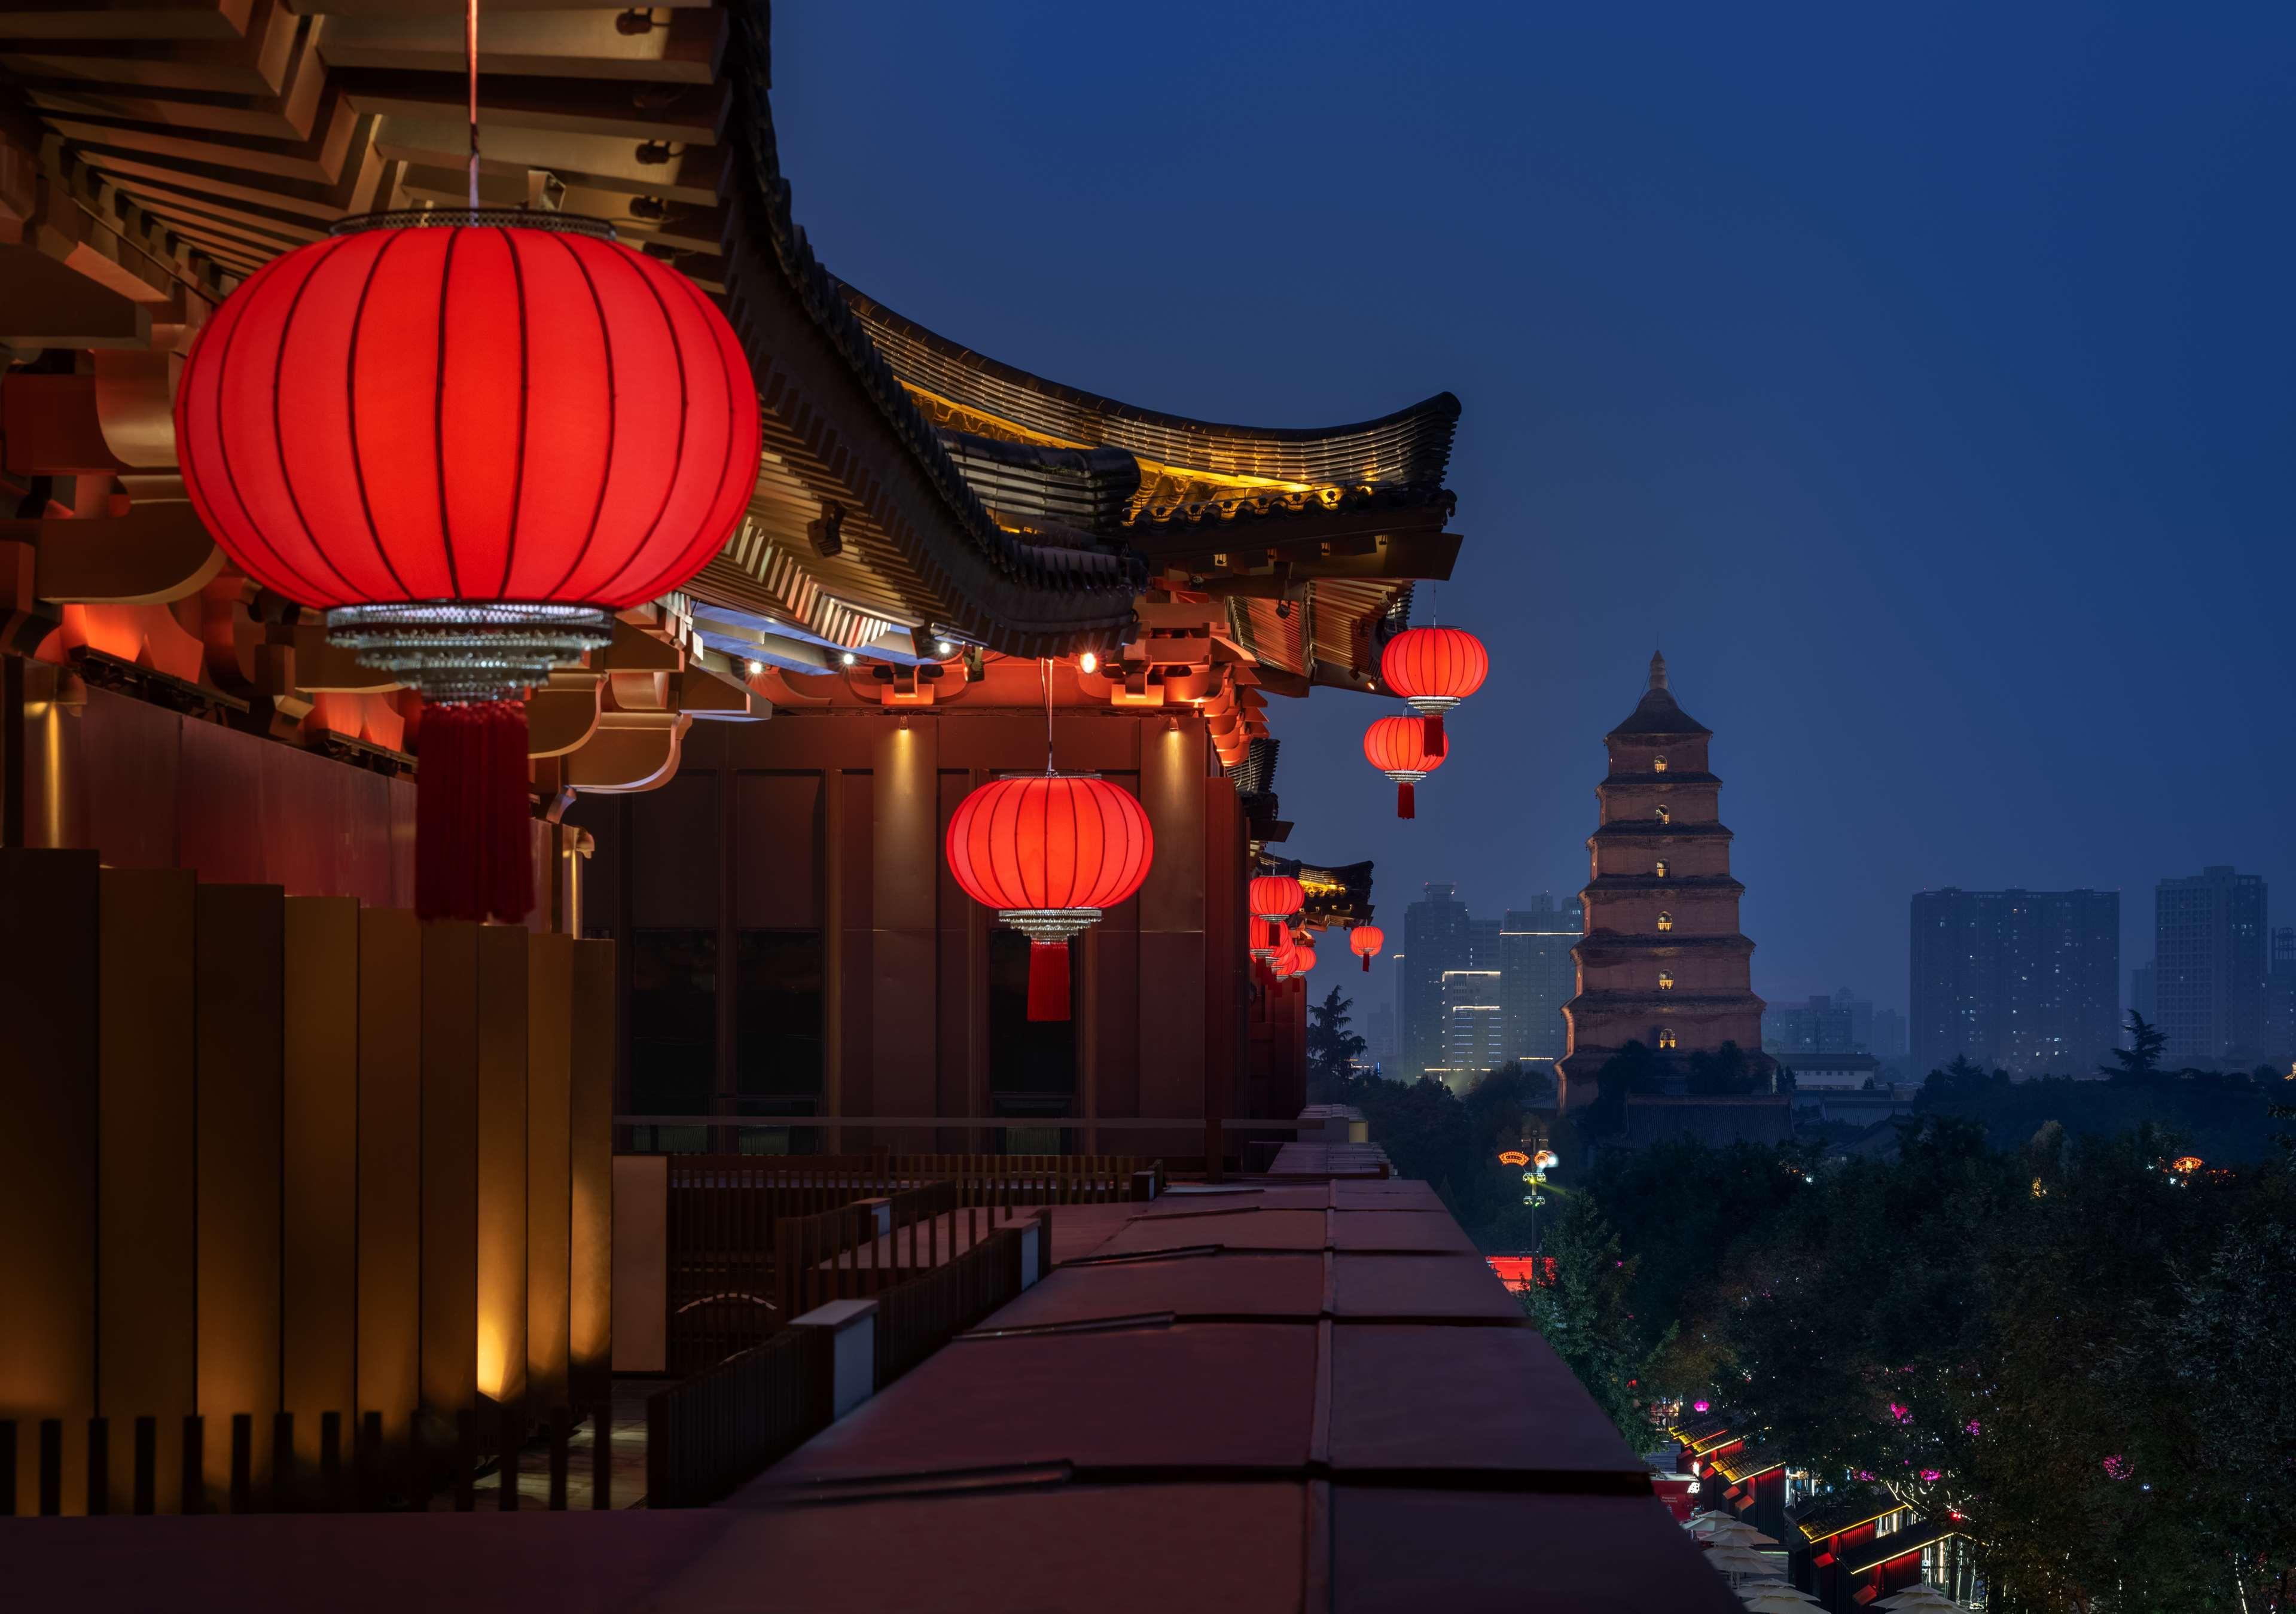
<point x="777" y="1016"/>
<point x="673" y="1021"/>
<point x="1031" y="1063"/>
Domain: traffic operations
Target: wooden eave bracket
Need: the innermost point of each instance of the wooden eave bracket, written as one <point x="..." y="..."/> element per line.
<point x="630" y="751"/>
<point x="154" y="554"/>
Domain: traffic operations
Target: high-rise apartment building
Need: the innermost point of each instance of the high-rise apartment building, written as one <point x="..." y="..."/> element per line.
<point x="2023" y="981"/>
<point x="1537" y="976"/>
<point x="1379" y="1037"/>
<point x="1889" y="1040"/>
<point x="1474" y="1038"/>
<point x="1437" y="935"/>
<point x="2209" y="950"/>
<point x="1820" y="1025"/>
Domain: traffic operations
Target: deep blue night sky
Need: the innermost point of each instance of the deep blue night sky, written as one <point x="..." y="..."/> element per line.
<point x="1923" y="381"/>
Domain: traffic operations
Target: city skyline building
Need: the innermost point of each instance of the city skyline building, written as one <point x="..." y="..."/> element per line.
<point x="1437" y="937"/>
<point x="2280" y="998"/>
<point x="2023" y="981"/>
<point x="1474" y="1027"/>
<point x="1538" y="976"/>
<point x="2208" y="950"/>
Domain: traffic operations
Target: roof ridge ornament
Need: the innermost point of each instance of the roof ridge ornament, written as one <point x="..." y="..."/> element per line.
<point x="1657" y="670"/>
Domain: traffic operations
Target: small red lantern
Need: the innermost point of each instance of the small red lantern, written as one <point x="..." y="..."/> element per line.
<point x="1303" y="955"/>
<point x="1433" y="669"/>
<point x="1275" y="899"/>
<point x="1364" y="941"/>
<point x="1050" y="852"/>
<point x="1395" y="747"/>
<point x="470" y="438"/>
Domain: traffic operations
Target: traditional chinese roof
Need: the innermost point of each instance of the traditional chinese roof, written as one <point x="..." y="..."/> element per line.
<point x="1748" y="1461"/>
<point x="1657" y="713"/>
<point x="1898" y="1544"/>
<point x="1821" y="1518"/>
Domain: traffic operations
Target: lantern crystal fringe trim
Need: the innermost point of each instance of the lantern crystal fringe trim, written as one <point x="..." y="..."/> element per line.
<point x="448" y="650"/>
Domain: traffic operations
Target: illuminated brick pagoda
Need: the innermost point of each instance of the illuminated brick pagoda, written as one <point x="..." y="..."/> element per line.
<point x="1662" y="962"/>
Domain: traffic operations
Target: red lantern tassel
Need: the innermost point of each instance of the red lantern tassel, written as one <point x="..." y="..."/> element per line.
<point x="1406" y="800"/>
<point x="1430" y="734"/>
<point x="473" y="835"/>
<point x="1048" y="980"/>
<point x="1366" y="962"/>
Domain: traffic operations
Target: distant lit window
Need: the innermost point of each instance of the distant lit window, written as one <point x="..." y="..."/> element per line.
<point x="1664" y="814"/>
<point x="1662" y="868"/>
<point x="1657" y="765"/>
<point x="1666" y="1037"/>
<point x="1666" y="921"/>
<point x="1665" y="981"/>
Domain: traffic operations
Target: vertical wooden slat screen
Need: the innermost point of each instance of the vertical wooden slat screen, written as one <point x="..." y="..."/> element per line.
<point x="240" y="974"/>
<point x="146" y="1220"/>
<point x="549" y="1164"/>
<point x="48" y="1082"/>
<point x="320" y="1156"/>
<point x="590" y="1305"/>
<point x="450" y="1165"/>
<point x="389" y="1169"/>
<point x="502" y="1007"/>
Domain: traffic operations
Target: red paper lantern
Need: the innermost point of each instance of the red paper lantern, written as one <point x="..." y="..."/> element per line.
<point x="1050" y="852"/>
<point x="469" y="438"/>
<point x="1396" y="747"/>
<point x="1433" y="669"/>
<point x="1275" y="899"/>
<point x="1303" y="955"/>
<point x="1364" y="941"/>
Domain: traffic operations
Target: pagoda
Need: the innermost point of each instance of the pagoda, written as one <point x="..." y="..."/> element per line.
<point x="1661" y="961"/>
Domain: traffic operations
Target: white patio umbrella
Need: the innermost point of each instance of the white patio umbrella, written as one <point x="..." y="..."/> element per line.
<point x="1778" y="1600"/>
<point x="1921" y="1598"/>
<point x="1737" y="1562"/>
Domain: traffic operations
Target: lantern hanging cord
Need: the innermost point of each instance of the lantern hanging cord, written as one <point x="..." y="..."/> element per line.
<point x="1045" y="675"/>
<point x="471" y="56"/>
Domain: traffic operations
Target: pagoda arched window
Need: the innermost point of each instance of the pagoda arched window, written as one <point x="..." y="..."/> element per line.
<point x="1665" y="980"/>
<point x="1666" y="1037"/>
<point x="1657" y="765"/>
<point x="1662" y="868"/>
<point x="1666" y="921"/>
<point x="1664" y="813"/>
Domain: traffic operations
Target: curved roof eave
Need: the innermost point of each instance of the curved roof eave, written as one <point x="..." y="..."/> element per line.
<point x="1410" y="447"/>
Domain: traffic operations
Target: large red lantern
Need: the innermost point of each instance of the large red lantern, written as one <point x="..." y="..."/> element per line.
<point x="469" y="438"/>
<point x="1396" y="747"/>
<point x="1433" y="669"/>
<point x="1364" y="941"/>
<point x="1275" y="899"/>
<point x="1050" y="852"/>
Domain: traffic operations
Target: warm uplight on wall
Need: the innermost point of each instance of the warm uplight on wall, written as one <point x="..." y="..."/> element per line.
<point x="1089" y="662"/>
